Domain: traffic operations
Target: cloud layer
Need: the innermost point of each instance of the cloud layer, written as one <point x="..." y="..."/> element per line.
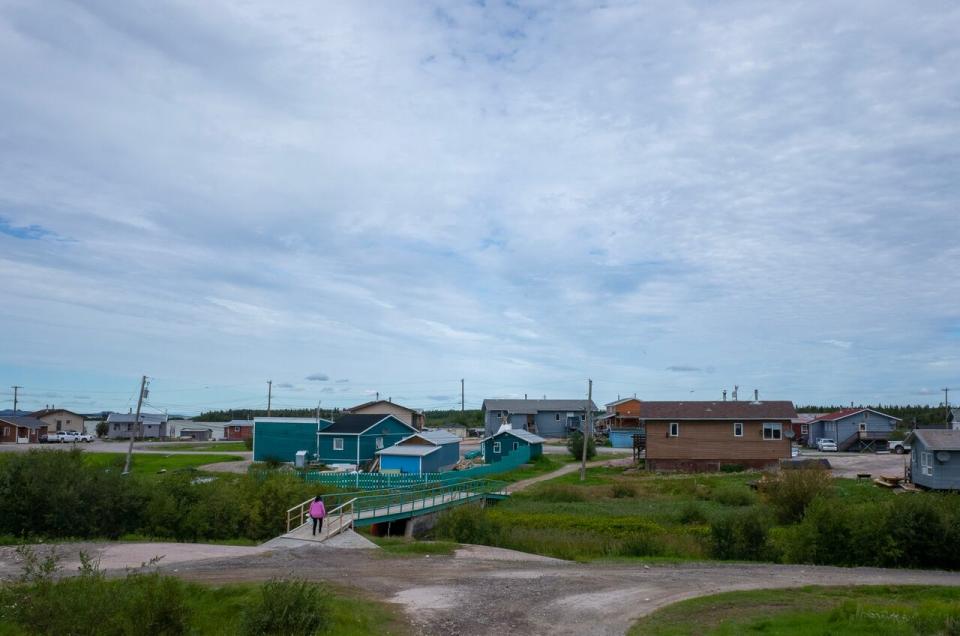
<point x="217" y="195"/>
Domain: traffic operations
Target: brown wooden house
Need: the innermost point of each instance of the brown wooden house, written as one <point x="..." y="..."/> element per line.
<point x="21" y="429"/>
<point x="703" y="436"/>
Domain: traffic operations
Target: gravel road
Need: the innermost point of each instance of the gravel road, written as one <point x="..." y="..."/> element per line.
<point x="482" y="590"/>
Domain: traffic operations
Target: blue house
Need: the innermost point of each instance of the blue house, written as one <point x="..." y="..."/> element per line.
<point x="935" y="458"/>
<point x="426" y="452"/>
<point x="500" y="445"/>
<point x="549" y="418"/>
<point x="354" y="439"/>
<point x="279" y="438"/>
<point x="853" y="429"/>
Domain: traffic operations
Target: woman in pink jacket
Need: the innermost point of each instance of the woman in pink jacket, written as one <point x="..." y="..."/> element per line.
<point x="317" y="513"/>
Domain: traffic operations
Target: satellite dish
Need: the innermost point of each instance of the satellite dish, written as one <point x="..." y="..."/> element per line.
<point x="789" y="434"/>
<point x="943" y="456"/>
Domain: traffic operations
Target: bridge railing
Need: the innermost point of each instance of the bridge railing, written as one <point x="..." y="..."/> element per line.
<point x="406" y="500"/>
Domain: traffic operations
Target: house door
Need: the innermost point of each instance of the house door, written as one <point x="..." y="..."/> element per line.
<point x="23" y="436"/>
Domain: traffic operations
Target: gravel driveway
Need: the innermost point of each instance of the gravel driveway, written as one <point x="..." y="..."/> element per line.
<point x="482" y="590"/>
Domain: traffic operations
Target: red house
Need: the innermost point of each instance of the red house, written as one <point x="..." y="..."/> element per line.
<point x="238" y="430"/>
<point x="20" y="429"/>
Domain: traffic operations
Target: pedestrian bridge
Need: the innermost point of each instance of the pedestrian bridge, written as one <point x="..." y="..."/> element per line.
<point x="357" y="509"/>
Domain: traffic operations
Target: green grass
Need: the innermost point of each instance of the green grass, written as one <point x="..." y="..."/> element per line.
<point x="866" y="611"/>
<point x="409" y="547"/>
<point x="153" y="463"/>
<point x="200" y="447"/>
<point x="217" y="611"/>
<point x="541" y="465"/>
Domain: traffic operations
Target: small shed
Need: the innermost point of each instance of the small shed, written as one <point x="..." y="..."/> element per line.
<point x="935" y="459"/>
<point x="623" y="437"/>
<point x="426" y="452"/>
<point x="279" y="438"/>
<point x="356" y="438"/>
<point x="197" y="434"/>
<point x="499" y="445"/>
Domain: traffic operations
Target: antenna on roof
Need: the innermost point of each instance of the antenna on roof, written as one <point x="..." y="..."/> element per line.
<point x="735" y="387"/>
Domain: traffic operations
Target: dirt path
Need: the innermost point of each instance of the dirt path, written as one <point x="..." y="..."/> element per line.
<point x="565" y="470"/>
<point x="480" y="590"/>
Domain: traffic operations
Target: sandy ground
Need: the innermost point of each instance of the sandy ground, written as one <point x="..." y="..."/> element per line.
<point x="482" y="590"/>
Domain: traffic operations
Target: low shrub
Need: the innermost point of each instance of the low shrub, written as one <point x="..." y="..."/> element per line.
<point x="792" y="491"/>
<point x="732" y="468"/>
<point x="248" y="443"/>
<point x="741" y="535"/>
<point x="294" y="608"/>
<point x="691" y="513"/>
<point x="575" y="445"/>
<point x="733" y="495"/>
<point x="623" y="491"/>
<point x="560" y="493"/>
<point x="467" y="524"/>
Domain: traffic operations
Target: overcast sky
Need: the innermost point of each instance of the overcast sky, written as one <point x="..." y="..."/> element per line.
<point x="670" y="198"/>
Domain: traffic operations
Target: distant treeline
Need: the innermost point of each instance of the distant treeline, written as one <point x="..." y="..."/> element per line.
<point x="470" y="419"/>
<point x="912" y="415"/>
<point x="249" y="414"/>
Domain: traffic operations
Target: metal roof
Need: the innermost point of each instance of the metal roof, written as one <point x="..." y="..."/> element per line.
<point x="437" y="436"/>
<point x="516" y="432"/>
<point x="357" y="423"/>
<point x="365" y="405"/>
<point x="532" y="407"/>
<point x="131" y="418"/>
<point x="938" y="439"/>
<point x="22" y="420"/>
<point x="724" y="410"/>
<point x="409" y="450"/>
<point x="842" y="413"/>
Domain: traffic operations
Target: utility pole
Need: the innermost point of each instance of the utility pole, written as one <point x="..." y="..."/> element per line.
<point x="136" y="421"/>
<point x="461" y="395"/>
<point x="586" y="429"/>
<point x="946" y="406"/>
<point x="269" y="396"/>
<point x="15" y="388"/>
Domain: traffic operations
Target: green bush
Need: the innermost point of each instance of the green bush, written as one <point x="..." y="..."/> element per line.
<point x="741" y="535"/>
<point x="623" y="491"/>
<point x="691" y="513"/>
<point x="248" y="443"/>
<point x="575" y="445"/>
<point x="732" y="495"/>
<point x="732" y="468"/>
<point x="792" y="491"/>
<point x="467" y="524"/>
<point x="287" y="608"/>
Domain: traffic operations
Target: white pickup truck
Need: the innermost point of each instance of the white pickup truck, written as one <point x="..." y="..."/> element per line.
<point x="62" y="437"/>
<point x="898" y="446"/>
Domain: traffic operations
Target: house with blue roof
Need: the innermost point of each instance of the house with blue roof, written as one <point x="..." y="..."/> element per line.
<point x="426" y="452"/>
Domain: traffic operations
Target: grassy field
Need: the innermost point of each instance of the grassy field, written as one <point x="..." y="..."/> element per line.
<point x="409" y="547"/>
<point x="618" y="514"/>
<point x="539" y="466"/>
<point x="201" y="447"/>
<point x="866" y="611"/>
<point x="152" y="464"/>
<point x="218" y="611"/>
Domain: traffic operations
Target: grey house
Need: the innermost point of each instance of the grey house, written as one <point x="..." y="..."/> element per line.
<point x="935" y="459"/>
<point x="853" y="429"/>
<point x="546" y="418"/>
<point x="122" y="425"/>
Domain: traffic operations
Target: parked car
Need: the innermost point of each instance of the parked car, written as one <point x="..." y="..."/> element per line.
<point x="826" y="445"/>
<point x="898" y="446"/>
<point x="63" y="437"/>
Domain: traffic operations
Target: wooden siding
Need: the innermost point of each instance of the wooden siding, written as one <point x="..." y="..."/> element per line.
<point x="711" y="440"/>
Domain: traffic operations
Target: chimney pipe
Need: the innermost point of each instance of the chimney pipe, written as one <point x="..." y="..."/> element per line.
<point x="724" y="395"/>
<point x="524" y="396"/>
<point x="756" y="395"/>
<point x="735" y="387"/>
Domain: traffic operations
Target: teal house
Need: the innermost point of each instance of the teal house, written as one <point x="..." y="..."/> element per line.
<point x="279" y="438"/>
<point x="510" y="440"/>
<point x="355" y="438"/>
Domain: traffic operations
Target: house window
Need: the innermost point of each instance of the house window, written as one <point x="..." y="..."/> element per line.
<point x="379" y="443"/>
<point x="863" y="427"/>
<point x="516" y="445"/>
<point x="236" y="429"/>
<point x="772" y="430"/>
<point x="496" y="448"/>
<point x="558" y="417"/>
<point x="804" y="429"/>
<point x="337" y="443"/>
<point x="674" y="429"/>
<point x="738" y="429"/>
<point x="926" y="464"/>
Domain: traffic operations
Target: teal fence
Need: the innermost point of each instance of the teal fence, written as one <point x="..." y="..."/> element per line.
<point x="379" y="481"/>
